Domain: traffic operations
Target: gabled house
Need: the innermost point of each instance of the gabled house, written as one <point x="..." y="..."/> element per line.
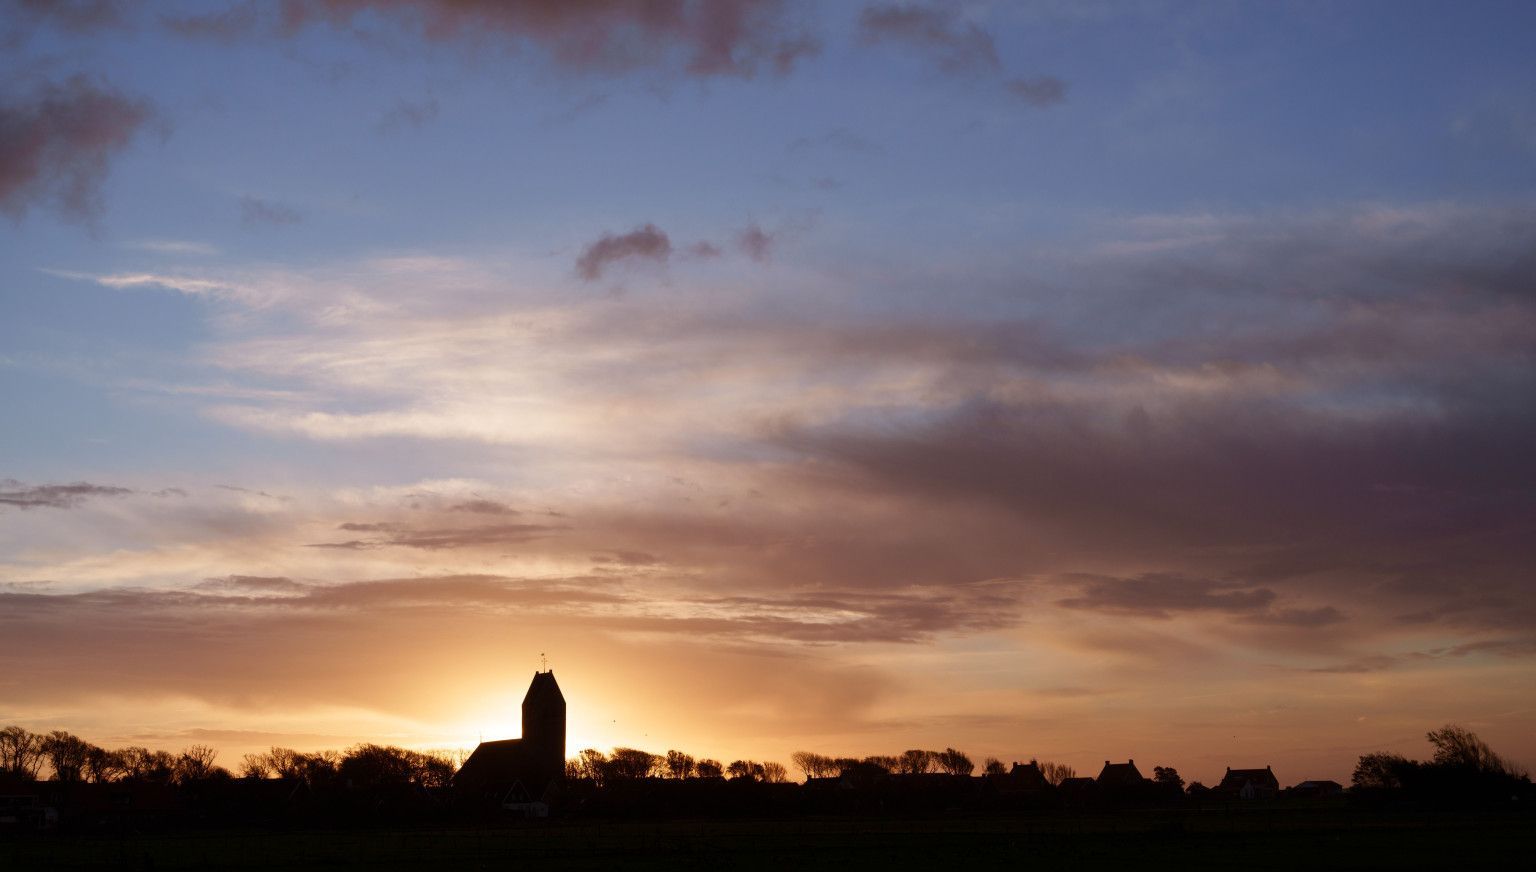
<point x="1120" y="775"/>
<point x="1249" y="784"/>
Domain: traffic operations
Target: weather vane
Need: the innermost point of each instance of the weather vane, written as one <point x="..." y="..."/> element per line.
<point x="543" y="662"/>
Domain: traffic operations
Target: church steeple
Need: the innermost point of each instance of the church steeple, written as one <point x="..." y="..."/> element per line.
<point x="544" y="720"/>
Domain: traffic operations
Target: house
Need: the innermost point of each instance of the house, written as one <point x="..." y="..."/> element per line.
<point x="1120" y="775"/>
<point x="1027" y="776"/>
<point x="526" y="766"/>
<point x="1249" y="784"/>
<point x="1317" y="789"/>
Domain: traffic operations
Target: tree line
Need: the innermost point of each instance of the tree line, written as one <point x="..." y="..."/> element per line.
<point x="68" y="758"/>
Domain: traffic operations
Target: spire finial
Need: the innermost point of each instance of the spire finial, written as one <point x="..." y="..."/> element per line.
<point x="543" y="662"/>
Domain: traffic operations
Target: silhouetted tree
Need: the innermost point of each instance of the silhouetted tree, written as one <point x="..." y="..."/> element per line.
<point x="680" y="765"/>
<point x="194" y="764"/>
<point x="591" y="765"/>
<point x="1056" y="773"/>
<point x="993" y="766"/>
<point x="102" y="765"/>
<point x="749" y="770"/>
<point x="814" y="765"/>
<point x="774" y="773"/>
<point x="884" y="763"/>
<point x="916" y="762"/>
<point x="1167" y="775"/>
<point x="710" y="768"/>
<point x="1380" y="771"/>
<point x="142" y="764"/>
<point x="257" y="766"/>
<point x="632" y="764"/>
<point x="1460" y="747"/>
<point x="952" y="762"/>
<point x="21" y="753"/>
<point x="66" y="753"/>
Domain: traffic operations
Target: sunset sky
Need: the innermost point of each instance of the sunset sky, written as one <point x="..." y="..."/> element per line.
<point x="1072" y="380"/>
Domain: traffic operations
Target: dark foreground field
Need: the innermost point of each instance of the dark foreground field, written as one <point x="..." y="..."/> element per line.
<point x="1154" y="840"/>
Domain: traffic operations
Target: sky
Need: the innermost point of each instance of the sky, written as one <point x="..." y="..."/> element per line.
<point x="1071" y="380"/>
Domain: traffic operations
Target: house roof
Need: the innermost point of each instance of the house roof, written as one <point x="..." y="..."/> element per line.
<point x="1236" y="777"/>
<point x="1120" y="773"/>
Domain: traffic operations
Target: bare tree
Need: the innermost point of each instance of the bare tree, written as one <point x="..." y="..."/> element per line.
<point x="1056" y="773"/>
<point x="749" y="770"/>
<point x="66" y="753"/>
<point x="814" y="765"/>
<point x="774" y="773"/>
<point x="633" y="764"/>
<point x="194" y="764"/>
<point x="710" y="768"/>
<point x="953" y="762"/>
<point x="102" y="765"/>
<point x="21" y="753"/>
<point x="1459" y="746"/>
<point x="256" y="766"/>
<point x="916" y="762"/>
<point x="993" y="766"/>
<point x="680" y="765"/>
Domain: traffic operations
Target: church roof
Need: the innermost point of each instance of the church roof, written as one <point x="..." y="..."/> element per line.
<point x="544" y="686"/>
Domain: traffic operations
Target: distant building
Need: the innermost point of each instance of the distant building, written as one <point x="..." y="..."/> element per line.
<point x="522" y="768"/>
<point x="1027" y="776"/>
<point x="1118" y="775"/>
<point x="1317" y="789"/>
<point x="1249" y="784"/>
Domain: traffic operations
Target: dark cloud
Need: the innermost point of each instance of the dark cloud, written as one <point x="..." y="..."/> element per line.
<point x="627" y="558"/>
<point x="71" y="15"/>
<point x="56" y="145"/>
<point x="704" y="250"/>
<point x="255" y="210"/>
<point x="704" y="38"/>
<point x="406" y="113"/>
<point x="642" y="243"/>
<point x="54" y="496"/>
<point x="1039" y="92"/>
<point x="938" y="31"/>
<point x="484" y="507"/>
<point x="1157" y="595"/>
<point x="254" y="584"/>
<point x="1305" y="618"/>
<point x="755" y="242"/>
<point x="435" y="539"/>
<point x="224" y="25"/>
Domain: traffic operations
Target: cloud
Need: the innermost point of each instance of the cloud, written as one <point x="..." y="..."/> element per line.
<point x="78" y="16"/>
<point x="57" y="145"/>
<point x="837" y="139"/>
<point x="938" y="31"/>
<point x="54" y="496"/>
<point x="255" y="210"/>
<point x="484" y="507"/>
<point x="406" y="113"/>
<point x="1157" y="595"/>
<point x="700" y="38"/>
<point x="1038" y="92"/>
<point x="755" y="242"/>
<point x="643" y="243"/>
<point x="444" y="538"/>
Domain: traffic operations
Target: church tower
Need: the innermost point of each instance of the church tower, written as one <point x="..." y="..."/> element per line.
<point x="544" y="724"/>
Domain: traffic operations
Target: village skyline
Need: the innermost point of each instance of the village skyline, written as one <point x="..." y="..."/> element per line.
<point x="1075" y="380"/>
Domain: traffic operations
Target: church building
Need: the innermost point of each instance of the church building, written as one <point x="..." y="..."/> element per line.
<point x="527" y="766"/>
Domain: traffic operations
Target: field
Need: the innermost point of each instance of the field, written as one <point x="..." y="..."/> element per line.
<point x="1251" y="840"/>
